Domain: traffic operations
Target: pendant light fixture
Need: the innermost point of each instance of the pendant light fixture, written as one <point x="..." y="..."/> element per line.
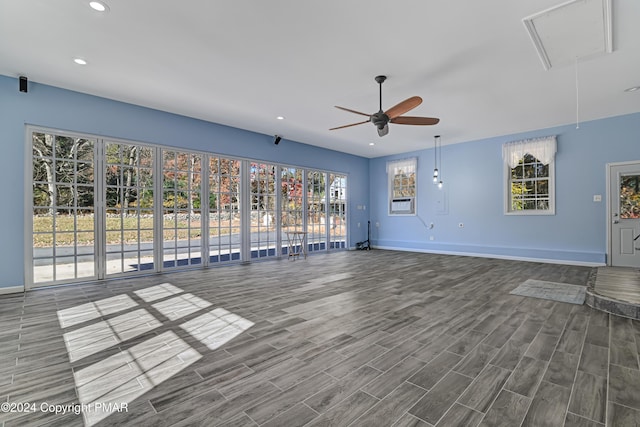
<point x="435" y="158"/>
<point x="440" y="161"/>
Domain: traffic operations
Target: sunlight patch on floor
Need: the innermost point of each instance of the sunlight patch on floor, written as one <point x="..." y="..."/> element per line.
<point x="129" y="374"/>
<point x="99" y="336"/>
<point x="158" y="292"/>
<point x="93" y="310"/>
<point x="216" y="328"/>
<point x="117" y="380"/>
<point x="181" y="306"/>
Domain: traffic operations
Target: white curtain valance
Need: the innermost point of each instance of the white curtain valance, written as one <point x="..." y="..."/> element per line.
<point x="543" y="149"/>
<point x="405" y="165"/>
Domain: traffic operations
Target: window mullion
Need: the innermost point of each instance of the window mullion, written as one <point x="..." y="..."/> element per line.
<point x="99" y="209"/>
<point x="245" y="212"/>
<point x="158" y="240"/>
<point x="327" y="209"/>
<point x="305" y="210"/>
<point x="278" y="210"/>
<point x="204" y="210"/>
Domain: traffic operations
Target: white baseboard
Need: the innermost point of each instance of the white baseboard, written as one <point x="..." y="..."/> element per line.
<point x="494" y="256"/>
<point x="11" y="290"/>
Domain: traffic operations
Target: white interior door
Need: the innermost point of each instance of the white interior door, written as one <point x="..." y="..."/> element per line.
<point x="624" y="214"/>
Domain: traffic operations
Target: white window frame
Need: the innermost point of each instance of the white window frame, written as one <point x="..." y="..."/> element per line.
<point x="543" y="149"/>
<point x="405" y="205"/>
<point x="205" y="247"/>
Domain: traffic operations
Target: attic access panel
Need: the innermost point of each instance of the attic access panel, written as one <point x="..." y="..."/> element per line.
<point x="578" y="29"/>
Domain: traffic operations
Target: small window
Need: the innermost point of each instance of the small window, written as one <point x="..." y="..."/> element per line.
<point x="530" y="176"/>
<point x="402" y="186"/>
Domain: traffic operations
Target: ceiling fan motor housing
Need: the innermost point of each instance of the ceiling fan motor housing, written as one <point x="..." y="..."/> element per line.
<point x="380" y="119"/>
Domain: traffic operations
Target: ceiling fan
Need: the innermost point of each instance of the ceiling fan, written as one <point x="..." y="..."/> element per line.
<point x="381" y="119"/>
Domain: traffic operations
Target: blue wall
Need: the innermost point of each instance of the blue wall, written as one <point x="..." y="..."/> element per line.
<point x="57" y="108"/>
<point x="473" y="174"/>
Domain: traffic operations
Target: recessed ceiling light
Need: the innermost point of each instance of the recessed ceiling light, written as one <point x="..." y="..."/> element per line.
<point x="280" y="117"/>
<point x="80" y="61"/>
<point x="632" y="89"/>
<point x="99" y="6"/>
<point x="372" y="143"/>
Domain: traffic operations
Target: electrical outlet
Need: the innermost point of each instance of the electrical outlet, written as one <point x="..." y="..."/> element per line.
<point x="358" y="225"/>
<point x="431" y="238"/>
<point x="378" y="224"/>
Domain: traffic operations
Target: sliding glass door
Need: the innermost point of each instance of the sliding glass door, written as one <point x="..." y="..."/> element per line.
<point x="105" y="208"/>
<point x="292" y="218"/>
<point x="316" y="211"/>
<point x="224" y="210"/>
<point x="182" y="228"/>
<point x="129" y="208"/>
<point x="337" y="211"/>
<point x="63" y="220"/>
<point x="263" y="225"/>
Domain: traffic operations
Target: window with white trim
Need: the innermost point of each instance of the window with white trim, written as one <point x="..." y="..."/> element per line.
<point x="402" y="186"/>
<point x="530" y="176"/>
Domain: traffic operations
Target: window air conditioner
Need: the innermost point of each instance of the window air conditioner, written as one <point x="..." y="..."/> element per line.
<point x="402" y="206"/>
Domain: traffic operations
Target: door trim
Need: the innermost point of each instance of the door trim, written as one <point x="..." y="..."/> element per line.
<point x="609" y="207"/>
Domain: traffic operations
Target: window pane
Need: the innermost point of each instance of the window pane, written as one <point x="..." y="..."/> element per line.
<point x="630" y="196"/>
<point x="529" y="184"/>
<point x="543" y="204"/>
<point x="529" y="171"/>
<point x="542" y="171"/>
<point x="517" y="203"/>
<point x="517" y="172"/>
<point x="529" y="187"/>
<point x="542" y="187"/>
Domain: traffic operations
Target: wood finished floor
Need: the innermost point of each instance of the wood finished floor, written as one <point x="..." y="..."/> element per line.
<point x="373" y="338"/>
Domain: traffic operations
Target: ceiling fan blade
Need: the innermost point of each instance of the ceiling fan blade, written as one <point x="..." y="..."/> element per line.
<point x="408" y="120"/>
<point x="352" y="124"/>
<point x="383" y="131"/>
<point x="353" y="111"/>
<point x="403" y="107"/>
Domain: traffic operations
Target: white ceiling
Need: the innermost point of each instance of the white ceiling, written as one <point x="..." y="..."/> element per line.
<point x="242" y="63"/>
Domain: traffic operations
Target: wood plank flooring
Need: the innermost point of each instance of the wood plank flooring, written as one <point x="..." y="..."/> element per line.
<point x="356" y="338"/>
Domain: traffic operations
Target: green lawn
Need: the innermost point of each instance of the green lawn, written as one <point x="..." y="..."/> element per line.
<point x="64" y="226"/>
<point x="65" y="236"/>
